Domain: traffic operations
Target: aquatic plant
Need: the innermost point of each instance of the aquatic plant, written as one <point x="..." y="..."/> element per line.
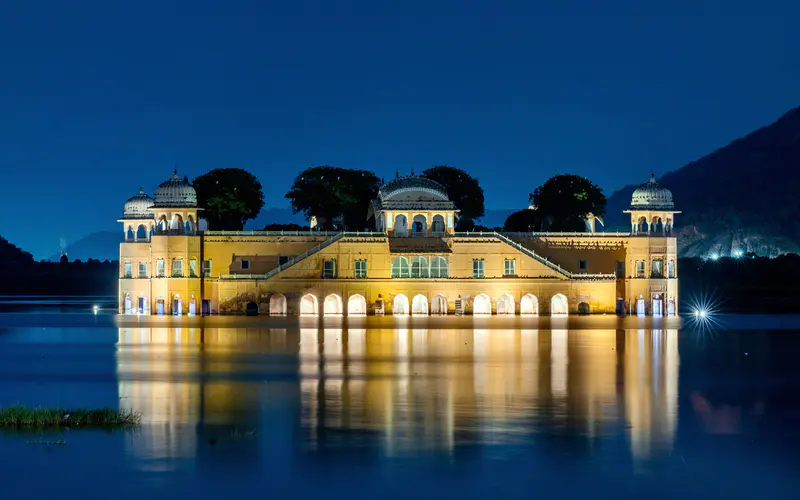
<point x="22" y="417"/>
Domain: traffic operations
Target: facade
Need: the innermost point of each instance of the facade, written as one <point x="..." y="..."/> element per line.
<point x="414" y="263"/>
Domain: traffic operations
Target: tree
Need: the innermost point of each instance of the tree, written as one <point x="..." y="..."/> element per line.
<point x="564" y="201"/>
<point x="523" y="221"/>
<point x="328" y="193"/>
<point x="285" y="227"/>
<point x="463" y="190"/>
<point x="230" y="197"/>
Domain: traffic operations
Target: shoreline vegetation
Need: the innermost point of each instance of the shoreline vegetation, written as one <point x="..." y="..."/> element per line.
<point x="21" y="417"/>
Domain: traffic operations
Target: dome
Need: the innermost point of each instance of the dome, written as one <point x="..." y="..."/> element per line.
<point x="412" y="184"/>
<point x="139" y="206"/>
<point x="652" y="195"/>
<point x="175" y="192"/>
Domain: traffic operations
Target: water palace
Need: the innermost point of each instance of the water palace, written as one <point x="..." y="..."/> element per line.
<point x="414" y="263"/>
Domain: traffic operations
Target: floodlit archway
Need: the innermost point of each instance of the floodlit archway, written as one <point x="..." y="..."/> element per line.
<point x="482" y="305"/>
<point x="420" y="225"/>
<point x="671" y="307"/>
<point x="333" y="305"/>
<point x="401" y="225"/>
<point x="583" y="308"/>
<point x="400" y="305"/>
<point x="419" y="305"/>
<point x="559" y="305"/>
<point x="277" y="304"/>
<point x="641" y="306"/>
<point x="177" y="223"/>
<point x="658" y="305"/>
<point x="141" y="233"/>
<point x="439" y="305"/>
<point x="128" y="304"/>
<point x="505" y="305"/>
<point x="356" y="305"/>
<point x="308" y="305"/>
<point x="129" y="234"/>
<point x="437" y="225"/>
<point x="529" y="305"/>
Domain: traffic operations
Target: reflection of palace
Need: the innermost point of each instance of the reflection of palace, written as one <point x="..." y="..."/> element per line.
<point x="406" y="388"/>
<point x="415" y="263"/>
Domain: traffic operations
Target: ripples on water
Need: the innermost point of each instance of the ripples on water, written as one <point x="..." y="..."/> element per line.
<point x="388" y="408"/>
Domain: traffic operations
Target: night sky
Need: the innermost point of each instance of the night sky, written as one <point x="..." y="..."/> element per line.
<point x="98" y="97"/>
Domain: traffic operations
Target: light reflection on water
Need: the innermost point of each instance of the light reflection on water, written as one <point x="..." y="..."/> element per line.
<point x="402" y="391"/>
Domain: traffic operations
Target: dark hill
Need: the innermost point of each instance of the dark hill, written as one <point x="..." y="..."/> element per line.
<point x="12" y="257"/>
<point x="743" y="196"/>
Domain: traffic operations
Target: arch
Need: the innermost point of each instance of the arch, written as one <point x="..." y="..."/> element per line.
<point x="141" y="233"/>
<point x="251" y="309"/>
<point x="419" y="267"/>
<point x="400" y="268"/>
<point x="482" y="305"/>
<point x="129" y="234"/>
<point x="583" y="308"/>
<point x="356" y="305"/>
<point x="419" y="305"/>
<point x="128" y="304"/>
<point x="437" y="225"/>
<point x="333" y="305"/>
<point x="152" y="231"/>
<point x="277" y="304"/>
<point x="439" y="305"/>
<point x="658" y="225"/>
<point x="641" y="306"/>
<point x="308" y="305"/>
<point x="163" y="225"/>
<point x="401" y="225"/>
<point x="193" y="306"/>
<point x="400" y="305"/>
<point x="177" y="223"/>
<point x="202" y="225"/>
<point x="671" y="306"/>
<point x="642" y="226"/>
<point x="505" y="305"/>
<point x="380" y="224"/>
<point x="191" y="225"/>
<point x="419" y="225"/>
<point x="529" y="305"/>
<point x="559" y="306"/>
<point x="439" y="267"/>
<point x="658" y="305"/>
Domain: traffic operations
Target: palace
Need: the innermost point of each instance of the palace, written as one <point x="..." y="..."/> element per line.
<point x="414" y="263"/>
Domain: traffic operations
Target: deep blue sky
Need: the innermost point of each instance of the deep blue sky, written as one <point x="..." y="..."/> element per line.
<point x="98" y="97"/>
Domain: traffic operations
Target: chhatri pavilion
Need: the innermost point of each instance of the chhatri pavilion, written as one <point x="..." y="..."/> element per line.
<point x="414" y="263"/>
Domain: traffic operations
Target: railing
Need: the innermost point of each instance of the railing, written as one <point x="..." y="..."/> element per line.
<point x="540" y="234"/>
<point x="271" y="233"/>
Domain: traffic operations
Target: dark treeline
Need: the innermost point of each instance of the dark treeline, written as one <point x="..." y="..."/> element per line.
<point x="745" y="285"/>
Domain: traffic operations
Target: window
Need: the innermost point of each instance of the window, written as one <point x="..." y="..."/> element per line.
<point x="509" y="267"/>
<point x="477" y="268"/>
<point x="193" y="268"/>
<point x="142" y="270"/>
<point x="671" y="269"/>
<point x="360" y="267"/>
<point x="583" y="265"/>
<point x="244" y="264"/>
<point x="160" y="268"/>
<point x="620" y="269"/>
<point x="329" y="268"/>
<point x="177" y="268"/>
<point x="400" y="268"/>
<point x="419" y="268"/>
<point x="657" y="270"/>
<point x="283" y="259"/>
<point x="128" y="270"/>
<point x="438" y="267"/>
<point x="640" y="269"/>
<point x="207" y="268"/>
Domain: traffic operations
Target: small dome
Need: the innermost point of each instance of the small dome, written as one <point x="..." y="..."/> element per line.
<point x="410" y="184"/>
<point x="175" y="192"/>
<point x="652" y="195"/>
<point x="139" y="206"/>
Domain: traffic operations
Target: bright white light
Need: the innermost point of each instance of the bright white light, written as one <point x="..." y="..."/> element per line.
<point x="738" y="253"/>
<point x="95" y="309"/>
<point x="696" y="313"/>
<point x="714" y="256"/>
<point x="703" y="313"/>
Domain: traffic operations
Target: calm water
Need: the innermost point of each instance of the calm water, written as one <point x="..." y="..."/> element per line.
<point x="388" y="408"/>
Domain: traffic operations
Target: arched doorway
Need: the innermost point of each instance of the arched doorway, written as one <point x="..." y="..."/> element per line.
<point x="308" y="306"/>
<point x="192" y="306"/>
<point x="419" y="305"/>
<point x="277" y="304"/>
<point x="143" y="306"/>
<point x="529" y="305"/>
<point x="583" y="308"/>
<point x="333" y="305"/>
<point x="356" y="305"/>
<point x="559" y="305"/>
<point x="658" y="305"/>
<point x="129" y="234"/>
<point x="641" y="306"/>
<point x="419" y="227"/>
<point x="141" y="233"/>
<point x="177" y="306"/>
<point x="439" y="305"/>
<point x="505" y="305"/>
<point x="437" y="225"/>
<point x="251" y="309"/>
<point x="671" y="306"/>
<point x="128" y="307"/>
<point x="482" y="305"/>
<point x="177" y="223"/>
<point x="401" y="225"/>
<point x="400" y="305"/>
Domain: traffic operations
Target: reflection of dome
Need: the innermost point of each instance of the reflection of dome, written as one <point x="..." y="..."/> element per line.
<point x="175" y="192"/>
<point x="652" y="195"/>
<point x="410" y="184"/>
<point x="140" y="206"/>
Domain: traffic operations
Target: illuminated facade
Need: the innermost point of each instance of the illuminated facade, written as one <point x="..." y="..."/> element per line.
<point x="414" y="263"/>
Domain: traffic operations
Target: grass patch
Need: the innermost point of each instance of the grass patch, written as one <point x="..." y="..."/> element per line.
<point x="22" y="417"/>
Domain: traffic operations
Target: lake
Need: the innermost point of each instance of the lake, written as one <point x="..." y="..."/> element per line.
<point x="599" y="407"/>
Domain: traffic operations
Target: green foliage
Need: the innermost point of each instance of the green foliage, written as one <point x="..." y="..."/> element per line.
<point x="230" y="197"/>
<point x="327" y="192"/>
<point x="463" y="190"/>
<point x="563" y="202"/>
<point x="19" y="416"/>
<point x="523" y="221"/>
<point x="285" y="227"/>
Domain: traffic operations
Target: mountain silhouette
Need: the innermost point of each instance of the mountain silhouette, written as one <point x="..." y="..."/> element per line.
<point x="742" y="197"/>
